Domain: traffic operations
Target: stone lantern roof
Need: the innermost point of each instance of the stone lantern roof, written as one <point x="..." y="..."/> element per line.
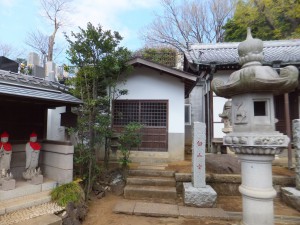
<point x="253" y="77"/>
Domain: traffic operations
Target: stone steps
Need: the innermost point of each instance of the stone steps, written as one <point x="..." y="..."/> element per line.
<point x="156" y="185"/>
<point x="11" y="205"/>
<point x="154" y="193"/>
<point x="151" y="181"/>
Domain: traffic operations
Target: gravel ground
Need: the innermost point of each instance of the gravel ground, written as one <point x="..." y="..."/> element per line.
<point x="28" y="213"/>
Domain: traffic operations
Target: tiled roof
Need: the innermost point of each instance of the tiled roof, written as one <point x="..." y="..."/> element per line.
<point x="189" y="79"/>
<point x="20" y="85"/>
<point x="286" y="51"/>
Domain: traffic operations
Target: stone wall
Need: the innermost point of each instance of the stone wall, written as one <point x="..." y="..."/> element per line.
<point x="228" y="184"/>
<point x="56" y="161"/>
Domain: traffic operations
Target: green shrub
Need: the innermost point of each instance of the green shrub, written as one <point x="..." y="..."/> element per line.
<point x="70" y="192"/>
<point x="130" y="138"/>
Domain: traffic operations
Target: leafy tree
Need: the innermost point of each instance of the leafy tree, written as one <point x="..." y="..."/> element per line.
<point x="268" y="19"/>
<point x="100" y="63"/>
<point x="192" y="21"/>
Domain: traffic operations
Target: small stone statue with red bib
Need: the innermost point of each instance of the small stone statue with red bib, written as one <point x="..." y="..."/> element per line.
<point x="6" y="178"/>
<point x="5" y="153"/>
<point x="32" y="150"/>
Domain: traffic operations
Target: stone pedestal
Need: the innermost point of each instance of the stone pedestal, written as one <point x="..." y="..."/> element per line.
<point x="197" y="193"/>
<point x="204" y="197"/>
<point x="37" y="179"/>
<point x="257" y="189"/>
<point x="8" y="184"/>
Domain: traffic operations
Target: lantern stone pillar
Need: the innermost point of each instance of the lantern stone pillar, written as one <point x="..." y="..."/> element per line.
<point x="253" y="137"/>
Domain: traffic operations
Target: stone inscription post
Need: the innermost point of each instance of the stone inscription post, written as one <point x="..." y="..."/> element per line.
<point x="198" y="157"/>
<point x="197" y="193"/>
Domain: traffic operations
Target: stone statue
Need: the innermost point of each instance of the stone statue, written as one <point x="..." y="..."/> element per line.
<point x="6" y="178"/>
<point x="226" y="117"/>
<point x="5" y="153"/>
<point x="32" y="150"/>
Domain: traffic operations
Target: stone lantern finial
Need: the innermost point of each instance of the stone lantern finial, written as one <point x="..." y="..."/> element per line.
<point x="250" y="50"/>
<point x="253" y="77"/>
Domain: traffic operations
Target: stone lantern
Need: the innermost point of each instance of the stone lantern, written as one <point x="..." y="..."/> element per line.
<point x="254" y="138"/>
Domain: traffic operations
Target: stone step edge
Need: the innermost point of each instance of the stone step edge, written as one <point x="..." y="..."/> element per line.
<point x="152" y="177"/>
<point x="150" y="188"/>
<point x="149" y="173"/>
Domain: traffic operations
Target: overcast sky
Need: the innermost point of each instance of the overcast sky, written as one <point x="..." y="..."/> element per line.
<point x="128" y="17"/>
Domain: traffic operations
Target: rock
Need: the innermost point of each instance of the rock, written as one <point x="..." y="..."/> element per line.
<point x="117" y="185"/>
<point x="100" y="195"/>
<point x="75" y="213"/>
<point x="222" y="164"/>
<point x="291" y="196"/>
<point x="97" y="188"/>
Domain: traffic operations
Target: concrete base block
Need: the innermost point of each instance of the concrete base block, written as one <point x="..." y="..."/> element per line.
<point x="49" y="185"/>
<point x="8" y="184"/>
<point x="22" y="188"/>
<point x="37" y="179"/>
<point x="291" y="196"/>
<point x="199" y="197"/>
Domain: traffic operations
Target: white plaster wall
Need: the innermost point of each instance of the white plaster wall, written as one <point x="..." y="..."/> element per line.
<point x="149" y="84"/>
<point x="54" y="130"/>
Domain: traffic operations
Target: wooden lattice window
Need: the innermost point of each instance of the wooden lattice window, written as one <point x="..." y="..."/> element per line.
<point x="125" y="112"/>
<point x="149" y="113"/>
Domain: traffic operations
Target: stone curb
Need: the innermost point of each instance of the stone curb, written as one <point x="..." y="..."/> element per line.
<point x="130" y="207"/>
<point x="282" y="218"/>
<point x="167" y="210"/>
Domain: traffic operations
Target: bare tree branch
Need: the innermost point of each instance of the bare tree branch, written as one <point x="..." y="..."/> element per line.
<point x="55" y="12"/>
<point x="10" y="51"/>
<point x="193" y="21"/>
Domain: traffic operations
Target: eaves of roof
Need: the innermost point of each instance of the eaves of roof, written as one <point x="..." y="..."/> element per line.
<point x="24" y="86"/>
<point x="283" y="51"/>
<point x="189" y="79"/>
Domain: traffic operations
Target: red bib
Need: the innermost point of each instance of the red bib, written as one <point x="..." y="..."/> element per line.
<point x="36" y="146"/>
<point x="6" y="146"/>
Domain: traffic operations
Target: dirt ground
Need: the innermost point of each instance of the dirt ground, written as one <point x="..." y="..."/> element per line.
<point x="101" y="213"/>
<point x="101" y="210"/>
